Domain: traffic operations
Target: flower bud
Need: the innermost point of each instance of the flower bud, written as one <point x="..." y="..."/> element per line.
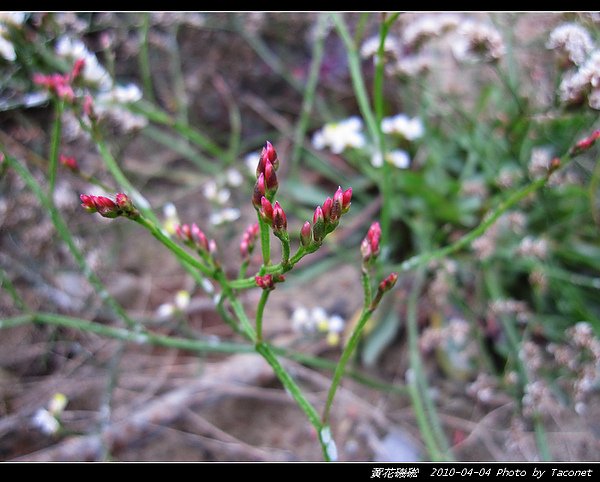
<point x="87" y="203"/>
<point x="386" y="285"/>
<point x="106" y="207"/>
<point x="265" y="282"/>
<point x="327" y="205"/>
<point x="259" y="191"/>
<point x="318" y="230"/>
<point x="248" y="240"/>
<point x="77" y="69"/>
<point x="279" y="220"/>
<point x="346" y="198"/>
<point x="305" y="234"/>
<point x="199" y="238"/>
<point x="266" y="210"/>
<point x="585" y="144"/>
<point x="69" y="162"/>
<point x="369" y="247"/>
<point x="269" y="154"/>
<point x="271" y="183"/>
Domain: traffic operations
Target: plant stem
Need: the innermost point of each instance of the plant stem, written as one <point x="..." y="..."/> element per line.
<point x="259" y="314"/>
<point x="350" y="346"/>
<point x="144" y="59"/>
<point x="55" y="146"/>
<point x="296" y="393"/>
<point x="265" y="242"/>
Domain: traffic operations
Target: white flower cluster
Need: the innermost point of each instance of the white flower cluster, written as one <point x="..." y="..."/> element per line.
<point x="572" y="40"/>
<point x="93" y="72"/>
<point x="478" y="41"/>
<point x="315" y="321"/>
<point x="429" y="26"/>
<point x="341" y="135"/>
<point x="404" y="126"/>
<point x="47" y="420"/>
<point x="583" y="82"/>
<point x="7" y="19"/>
<point x="539" y="162"/>
<point x="533" y="247"/>
<point x="371" y="46"/>
<point x="397" y="157"/>
<point x="179" y="305"/>
<point x="217" y="192"/>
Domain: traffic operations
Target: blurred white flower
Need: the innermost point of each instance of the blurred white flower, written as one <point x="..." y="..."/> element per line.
<point x="45" y="422"/>
<point x="404" y="126"/>
<point x="93" y="72"/>
<point x="370" y="47"/>
<point x="251" y="161"/>
<point x="540" y="162"/>
<point x="57" y="404"/>
<point x="212" y="192"/>
<point x="573" y="40"/>
<point x="164" y="311"/>
<point x="7" y="50"/>
<point x="182" y="300"/>
<point x="340" y="135"/>
<point x="121" y="94"/>
<point x="15" y="19"/>
<point x="171" y="218"/>
<point x="225" y="215"/>
<point x="478" y="41"/>
<point x="428" y="26"/>
<point x="397" y="158"/>
<point x="316" y="320"/>
<point x="234" y="177"/>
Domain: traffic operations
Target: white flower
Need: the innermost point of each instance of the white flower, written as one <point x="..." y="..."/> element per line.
<point x="573" y="39"/>
<point x="320" y="318"/>
<point x="594" y="99"/>
<point x="126" y="94"/>
<point x="403" y="125"/>
<point x="251" y="161"/>
<point x="164" y="311"/>
<point x="428" y="26"/>
<point x="182" y="300"/>
<point x="336" y="324"/>
<point x="45" y="421"/>
<point x="478" y="41"/>
<point x="92" y="72"/>
<point x="397" y="157"/>
<point x="540" y="161"/>
<point x="412" y="65"/>
<point x="57" y="404"/>
<point x="224" y="216"/>
<point x="7" y="50"/>
<point x="12" y="18"/>
<point x="340" y="135"/>
<point x="371" y="46"/>
<point x="301" y="320"/>
<point x="212" y="192"/>
<point x="234" y="178"/>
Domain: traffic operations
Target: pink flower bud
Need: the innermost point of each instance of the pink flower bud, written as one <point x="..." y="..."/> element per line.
<point x="585" y="144"/>
<point x="337" y="205"/>
<point x="265" y="282"/>
<point x="271" y="183"/>
<point x="327" y="205"/>
<point x="318" y="229"/>
<point x="248" y="240"/>
<point x="123" y="201"/>
<point x="369" y="247"/>
<point x="269" y="154"/>
<point x="259" y="191"/>
<point x="88" y="106"/>
<point x="346" y="198"/>
<point x="305" y="234"/>
<point x="69" y="162"/>
<point x="87" y="203"/>
<point x="266" y="210"/>
<point x="279" y="219"/>
<point x="199" y="238"/>
<point x="386" y="285"/>
<point x="77" y="69"/>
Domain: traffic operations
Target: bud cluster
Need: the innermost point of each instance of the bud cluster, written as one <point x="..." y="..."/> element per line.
<point x="61" y="85"/>
<point x="369" y="248"/>
<point x="106" y="207"/>
<point x="326" y="218"/>
<point x="266" y="178"/>
<point x="248" y="240"/>
<point x="267" y="281"/>
<point x="195" y="238"/>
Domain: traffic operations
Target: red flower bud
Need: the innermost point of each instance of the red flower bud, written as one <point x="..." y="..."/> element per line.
<point x="279" y="219"/>
<point x="318" y="230"/>
<point x="69" y="162"/>
<point x="271" y="183"/>
<point x="77" y="68"/>
<point x="386" y="285"/>
<point x="369" y="247"/>
<point x="337" y="205"/>
<point x="259" y="191"/>
<point x="585" y="144"/>
<point x="305" y="234"/>
<point x="327" y="205"/>
<point x="87" y="203"/>
<point x="123" y="201"/>
<point x="88" y="106"/>
<point x="248" y="240"/>
<point x="265" y="282"/>
<point x="269" y="154"/>
<point x="266" y="210"/>
<point x="346" y="198"/>
<point x="199" y="238"/>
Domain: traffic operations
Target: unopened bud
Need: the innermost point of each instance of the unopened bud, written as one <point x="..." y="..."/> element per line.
<point x="337" y="205"/>
<point x="77" y="69"/>
<point x="585" y="144"/>
<point x="269" y="154"/>
<point x="87" y="203"/>
<point x="346" y="198"/>
<point x="69" y="162"/>
<point x="327" y="205"/>
<point x="369" y="247"/>
<point x="318" y="229"/>
<point x="259" y="191"/>
<point x="386" y="285"/>
<point x="101" y="204"/>
<point x="305" y="234"/>
<point x="266" y="210"/>
<point x="265" y="282"/>
<point x="199" y="238"/>
<point x="271" y="183"/>
<point x="248" y="240"/>
<point x="279" y="220"/>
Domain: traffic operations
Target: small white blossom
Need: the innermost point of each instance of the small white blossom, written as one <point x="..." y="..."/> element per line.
<point x="7" y="50"/>
<point x="164" y="311"/>
<point x="370" y="47"/>
<point x="572" y="39"/>
<point x="171" y="218"/>
<point x="540" y="162"/>
<point x="397" y="158"/>
<point x="224" y="216"/>
<point x="212" y="192"/>
<point x="234" y="177"/>
<point x="251" y="161"/>
<point x="15" y="19"/>
<point x="57" y="404"/>
<point x="429" y="26"/>
<point x="478" y="41"/>
<point x="93" y="72"/>
<point x="45" y="421"/>
<point x="182" y="300"/>
<point x="404" y="126"/>
<point x="340" y="135"/>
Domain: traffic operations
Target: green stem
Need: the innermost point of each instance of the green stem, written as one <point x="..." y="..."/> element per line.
<point x="265" y="242"/>
<point x="144" y="60"/>
<point x="8" y="286"/>
<point x="127" y="335"/>
<point x="55" y="146"/>
<point x="177" y="250"/>
<point x="295" y="391"/>
<point x="259" y="315"/>
<point x="285" y="250"/>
